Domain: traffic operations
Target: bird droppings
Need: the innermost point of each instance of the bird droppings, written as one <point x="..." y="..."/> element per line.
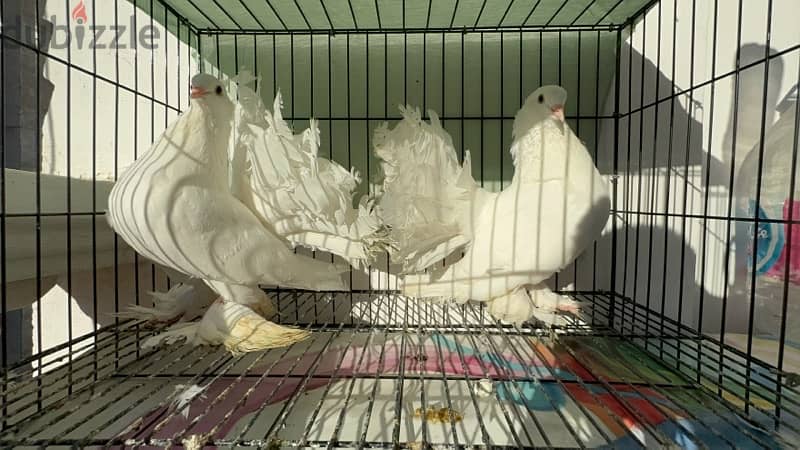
<point x="193" y="442"/>
<point x="438" y="415"/>
<point x="484" y="388"/>
<point x="275" y="444"/>
<point x="416" y="445"/>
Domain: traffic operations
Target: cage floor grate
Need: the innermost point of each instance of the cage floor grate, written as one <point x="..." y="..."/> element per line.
<point x="444" y="376"/>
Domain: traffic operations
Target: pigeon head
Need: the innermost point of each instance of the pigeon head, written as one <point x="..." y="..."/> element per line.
<point x="208" y="91"/>
<point x="546" y="103"/>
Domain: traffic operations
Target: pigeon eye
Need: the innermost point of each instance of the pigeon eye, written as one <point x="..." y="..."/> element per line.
<point x="219" y="90"/>
<point x="541" y="98"/>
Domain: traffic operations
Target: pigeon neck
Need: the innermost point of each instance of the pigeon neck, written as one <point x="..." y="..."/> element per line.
<point x="537" y="154"/>
<point x="527" y="157"/>
<point x="217" y="134"/>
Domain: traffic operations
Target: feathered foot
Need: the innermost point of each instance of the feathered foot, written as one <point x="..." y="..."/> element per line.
<point x="175" y="334"/>
<point x="237" y="327"/>
<point x="252" y="297"/>
<point x="550" y="306"/>
<point x="516" y="307"/>
<point x="538" y="302"/>
<point x="251" y="333"/>
<point x="241" y="329"/>
<point x="183" y="302"/>
<point x="266" y="308"/>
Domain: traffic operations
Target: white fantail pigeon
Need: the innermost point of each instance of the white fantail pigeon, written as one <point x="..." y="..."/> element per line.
<point x="175" y="206"/>
<point x="555" y="206"/>
<point x="308" y="200"/>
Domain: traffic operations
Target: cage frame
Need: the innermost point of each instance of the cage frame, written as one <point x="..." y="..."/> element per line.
<point x="619" y="308"/>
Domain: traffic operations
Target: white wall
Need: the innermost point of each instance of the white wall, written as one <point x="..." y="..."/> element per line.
<point x="644" y="188"/>
<point x="91" y="129"/>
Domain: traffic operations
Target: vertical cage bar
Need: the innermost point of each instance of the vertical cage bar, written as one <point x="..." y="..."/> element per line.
<point x="349" y="145"/>
<point x="461" y="110"/>
<point x="386" y="113"/>
<point x="596" y="153"/>
<point x="368" y="140"/>
<point x="502" y="149"/>
<point x="563" y="208"/>
<point x="38" y="143"/>
<point x="116" y="236"/>
<point x="639" y="169"/>
<point x="94" y="189"/>
<point x="704" y="227"/>
<point x="577" y="133"/>
<point x="626" y="215"/>
<point x="729" y="213"/>
<point x="756" y="217"/>
<point x="654" y="183"/>
<point x="614" y="224"/>
<point x="152" y="123"/>
<point x="134" y="23"/>
<point x="70" y="335"/>
<point x="667" y="183"/>
<point x="790" y="237"/>
<point x="482" y="94"/>
<point x="4" y="335"/>
<point x="686" y="185"/>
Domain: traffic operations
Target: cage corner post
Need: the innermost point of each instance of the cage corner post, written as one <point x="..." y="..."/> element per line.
<point x="615" y="172"/>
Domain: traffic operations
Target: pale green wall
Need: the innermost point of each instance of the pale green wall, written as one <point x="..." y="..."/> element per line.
<point x="414" y="61"/>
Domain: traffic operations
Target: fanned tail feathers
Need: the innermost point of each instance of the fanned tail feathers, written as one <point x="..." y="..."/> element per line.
<point x="306" y="199"/>
<point x="425" y="190"/>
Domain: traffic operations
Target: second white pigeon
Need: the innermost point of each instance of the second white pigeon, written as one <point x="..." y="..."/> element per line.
<point x="512" y="241"/>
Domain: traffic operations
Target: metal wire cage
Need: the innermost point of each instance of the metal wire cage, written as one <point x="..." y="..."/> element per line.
<point x="680" y="342"/>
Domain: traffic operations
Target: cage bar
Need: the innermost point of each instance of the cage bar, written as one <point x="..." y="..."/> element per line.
<point x="670" y="348"/>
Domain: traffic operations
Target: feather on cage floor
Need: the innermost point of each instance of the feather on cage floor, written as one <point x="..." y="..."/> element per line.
<point x="443" y="376"/>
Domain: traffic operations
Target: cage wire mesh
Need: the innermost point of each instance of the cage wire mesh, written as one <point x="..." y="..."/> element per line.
<point x="680" y="343"/>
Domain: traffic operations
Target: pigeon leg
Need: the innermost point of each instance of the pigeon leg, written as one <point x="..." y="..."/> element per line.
<point x="538" y="302"/>
<point x="237" y="321"/>
<point x="241" y="330"/>
<point x="549" y="305"/>
<point x="515" y="307"/>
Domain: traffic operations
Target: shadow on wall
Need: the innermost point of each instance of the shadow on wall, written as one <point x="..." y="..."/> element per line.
<point x="748" y="106"/>
<point x="743" y="138"/>
<point x="22" y="129"/>
<point x="93" y="292"/>
<point x="663" y="135"/>
<point x="656" y="260"/>
<point x="663" y="261"/>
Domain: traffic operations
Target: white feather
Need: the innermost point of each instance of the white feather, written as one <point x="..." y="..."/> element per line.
<point x="238" y="327"/>
<point x="185" y="395"/>
<point x="184" y="301"/>
<point x="308" y="200"/>
<point x="425" y="190"/>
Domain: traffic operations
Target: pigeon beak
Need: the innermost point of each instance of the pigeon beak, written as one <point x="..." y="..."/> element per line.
<point x="197" y="92"/>
<point x="558" y="112"/>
